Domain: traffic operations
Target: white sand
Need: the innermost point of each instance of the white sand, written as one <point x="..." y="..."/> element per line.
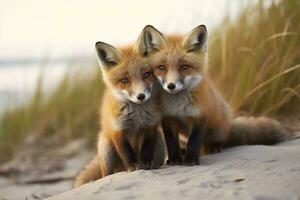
<point x="245" y="172"/>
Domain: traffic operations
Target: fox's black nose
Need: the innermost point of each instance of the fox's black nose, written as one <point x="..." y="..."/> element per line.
<point x="171" y="86"/>
<point x="141" y="97"/>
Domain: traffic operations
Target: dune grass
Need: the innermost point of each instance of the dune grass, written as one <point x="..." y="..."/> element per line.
<point x="71" y="111"/>
<point x="255" y="61"/>
<point x="256" y="58"/>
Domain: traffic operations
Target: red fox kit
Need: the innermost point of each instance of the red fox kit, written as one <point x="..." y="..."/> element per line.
<point x="130" y="115"/>
<point x="190" y="103"/>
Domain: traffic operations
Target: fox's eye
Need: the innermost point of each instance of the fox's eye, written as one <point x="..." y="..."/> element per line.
<point x="162" y="68"/>
<point x="146" y="75"/>
<point x="124" y="80"/>
<point x="184" y="67"/>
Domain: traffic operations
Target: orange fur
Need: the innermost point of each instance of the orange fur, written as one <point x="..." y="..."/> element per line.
<point x="177" y="61"/>
<point x="122" y="137"/>
<point x="91" y="172"/>
<point x="237" y="131"/>
<point x="205" y="96"/>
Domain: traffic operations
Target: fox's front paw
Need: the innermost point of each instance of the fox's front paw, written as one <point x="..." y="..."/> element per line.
<point x="191" y="160"/>
<point x="176" y="160"/>
<point x="133" y="167"/>
<point x="149" y="165"/>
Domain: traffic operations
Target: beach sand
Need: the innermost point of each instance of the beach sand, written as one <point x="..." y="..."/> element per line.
<point x="245" y="172"/>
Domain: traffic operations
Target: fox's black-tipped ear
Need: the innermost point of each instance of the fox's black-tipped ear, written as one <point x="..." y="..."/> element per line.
<point x="196" y="40"/>
<point x="150" y="40"/>
<point x="108" y="56"/>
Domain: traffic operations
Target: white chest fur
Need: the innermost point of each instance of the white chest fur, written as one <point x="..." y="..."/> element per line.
<point x="178" y="105"/>
<point x="134" y="117"/>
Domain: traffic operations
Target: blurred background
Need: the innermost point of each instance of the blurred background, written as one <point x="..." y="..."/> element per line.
<point x="50" y="37"/>
<point x="50" y="84"/>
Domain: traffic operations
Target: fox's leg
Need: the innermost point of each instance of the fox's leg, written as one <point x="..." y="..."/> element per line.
<point x="171" y="138"/>
<point x="159" y="152"/>
<point x="125" y="150"/>
<point x="194" y="144"/>
<point x="107" y="156"/>
<point x="147" y="150"/>
<point x="150" y="148"/>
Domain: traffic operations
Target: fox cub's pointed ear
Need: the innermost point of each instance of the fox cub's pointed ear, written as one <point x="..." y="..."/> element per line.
<point x="150" y="40"/>
<point x="108" y="56"/>
<point x="196" y="40"/>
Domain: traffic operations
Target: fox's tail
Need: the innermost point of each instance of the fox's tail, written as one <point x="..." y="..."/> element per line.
<point x="91" y="172"/>
<point x="257" y="130"/>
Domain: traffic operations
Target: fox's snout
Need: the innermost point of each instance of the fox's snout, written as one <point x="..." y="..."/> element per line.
<point x="177" y="85"/>
<point x="135" y="96"/>
<point x="141" y="97"/>
<point x="172" y="82"/>
<point x="141" y="92"/>
<point x="173" y="87"/>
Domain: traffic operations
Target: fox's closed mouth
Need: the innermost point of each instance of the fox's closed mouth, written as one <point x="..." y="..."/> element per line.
<point x="141" y="102"/>
<point x="173" y="91"/>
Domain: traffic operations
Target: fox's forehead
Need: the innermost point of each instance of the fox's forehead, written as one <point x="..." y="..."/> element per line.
<point x="176" y="55"/>
<point x="169" y="56"/>
<point x="132" y="62"/>
<point x="135" y="68"/>
<point x="132" y="67"/>
<point x="173" y="53"/>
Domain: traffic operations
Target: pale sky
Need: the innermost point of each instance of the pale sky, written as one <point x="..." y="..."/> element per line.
<point x="32" y="28"/>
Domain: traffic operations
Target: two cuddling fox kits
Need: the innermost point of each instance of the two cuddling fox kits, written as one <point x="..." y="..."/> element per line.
<point x="157" y="89"/>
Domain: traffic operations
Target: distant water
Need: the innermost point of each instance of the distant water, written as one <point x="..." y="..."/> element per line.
<point x="19" y="82"/>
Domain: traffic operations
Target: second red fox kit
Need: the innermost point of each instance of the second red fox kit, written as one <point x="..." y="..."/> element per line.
<point x="191" y="104"/>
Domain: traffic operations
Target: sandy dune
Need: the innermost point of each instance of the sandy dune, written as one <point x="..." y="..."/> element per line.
<point x="245" y="172"/>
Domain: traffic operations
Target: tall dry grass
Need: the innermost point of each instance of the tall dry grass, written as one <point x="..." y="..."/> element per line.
<point x="254" y="59"/>
<point x="70" y="111"/>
